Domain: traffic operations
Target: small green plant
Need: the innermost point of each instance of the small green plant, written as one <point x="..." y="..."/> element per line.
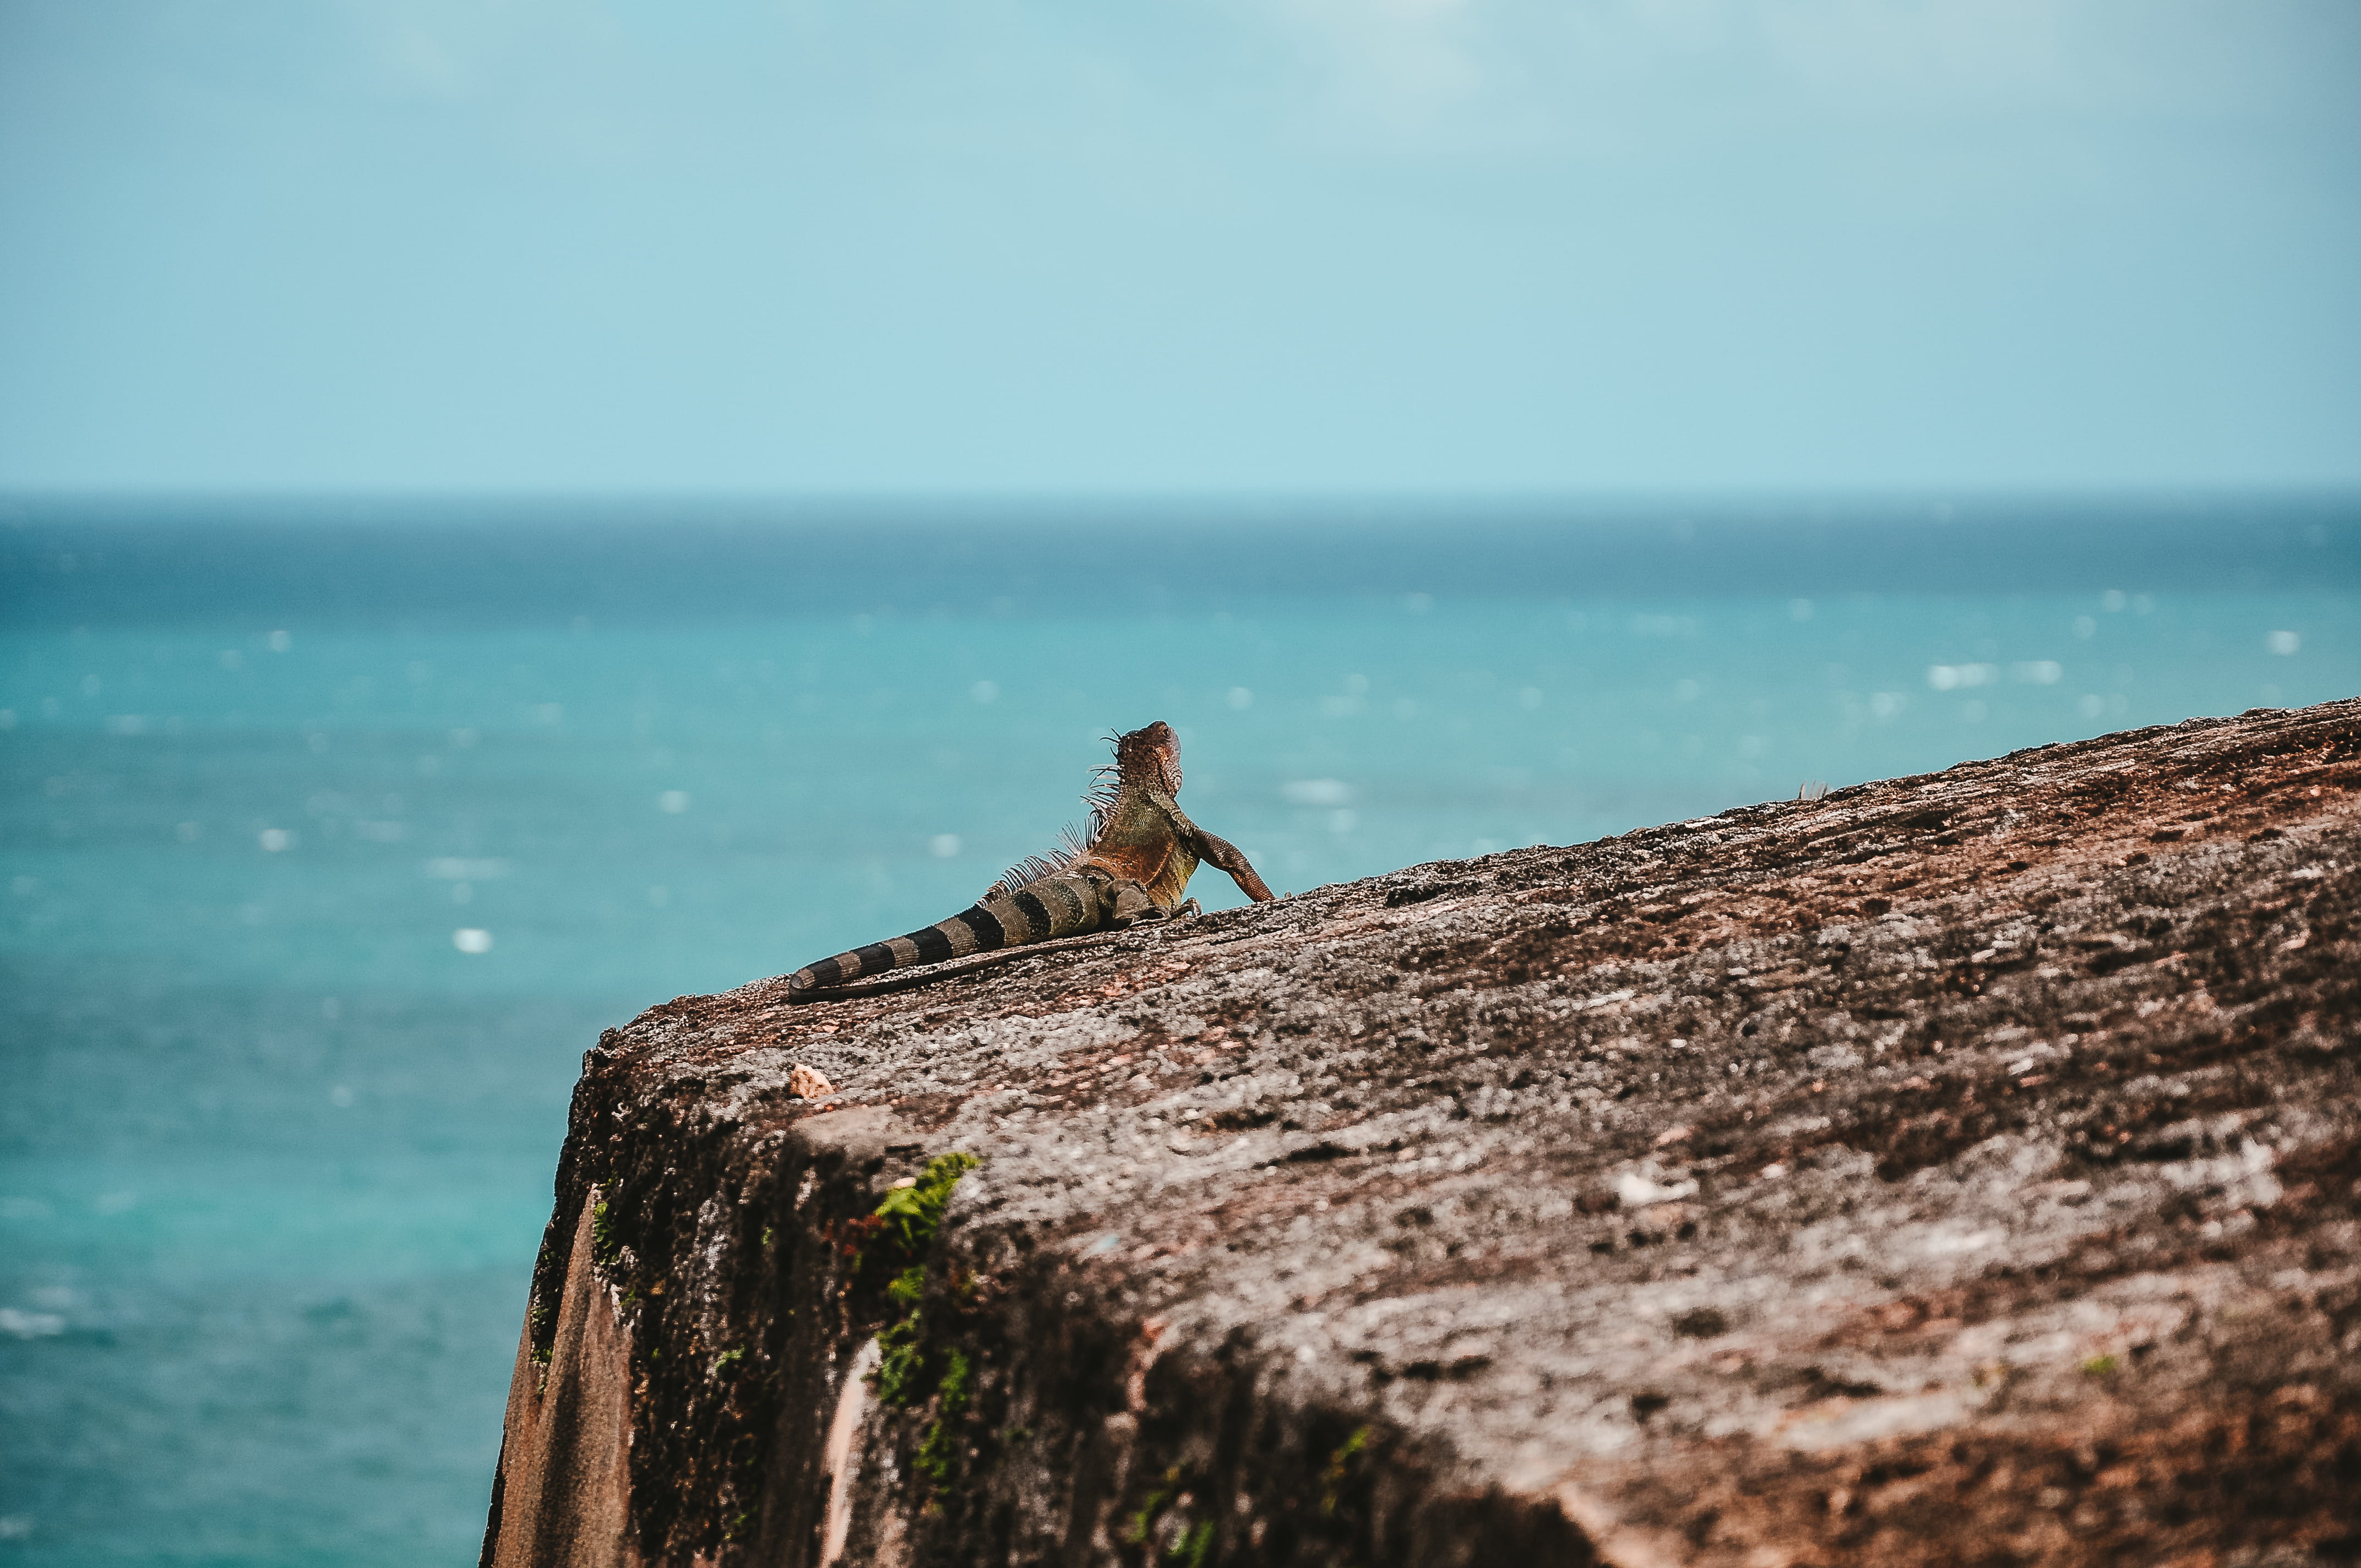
<point x="2100" y="1366"/>
<point x="728" y="1359"/>
<point x="1145" y="1521"/>
<point x="935" y="1454"/>
<point x="903" y="1228"/>
<point x="901" y="1367"/>
<point x="956" y="1373"/>
<point x="913" y="1215"/>
<point x="603" y="1244"/>
<point x="1340" y="1466"/>
<point x="1190" y="1549"/>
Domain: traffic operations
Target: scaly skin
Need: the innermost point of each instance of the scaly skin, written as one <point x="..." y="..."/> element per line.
<point x="1135" y="867"/>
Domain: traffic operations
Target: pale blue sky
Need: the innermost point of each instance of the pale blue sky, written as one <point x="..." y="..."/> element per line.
<point x="1175" y="244"/>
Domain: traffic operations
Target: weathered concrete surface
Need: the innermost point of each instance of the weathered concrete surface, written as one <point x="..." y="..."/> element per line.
<point x="563" y="1490"/>
<point x="1960" y="1170"/>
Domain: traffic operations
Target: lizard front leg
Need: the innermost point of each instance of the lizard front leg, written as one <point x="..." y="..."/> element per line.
<point x="1212" y="851"/>
<point x="1223" y="853"/>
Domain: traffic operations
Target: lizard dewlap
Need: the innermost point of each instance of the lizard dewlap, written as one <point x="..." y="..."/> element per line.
<point x="1131" y="864"/>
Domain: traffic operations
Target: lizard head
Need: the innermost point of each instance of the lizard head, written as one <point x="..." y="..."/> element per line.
<point x="1149" y="757"/>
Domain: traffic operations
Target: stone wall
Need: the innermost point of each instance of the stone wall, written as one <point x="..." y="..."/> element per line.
<point x="1957" y="1169"/>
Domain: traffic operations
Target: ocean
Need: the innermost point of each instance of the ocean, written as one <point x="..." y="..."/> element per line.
<point x="332" y="831"/>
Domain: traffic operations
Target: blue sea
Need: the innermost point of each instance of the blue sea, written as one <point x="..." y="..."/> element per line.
<point x="331" y="832"/>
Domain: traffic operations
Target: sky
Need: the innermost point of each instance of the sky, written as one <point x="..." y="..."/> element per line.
<point x="1025" y="247"/>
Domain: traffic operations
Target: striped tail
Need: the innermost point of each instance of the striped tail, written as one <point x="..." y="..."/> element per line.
<point x="1067" y="904"/>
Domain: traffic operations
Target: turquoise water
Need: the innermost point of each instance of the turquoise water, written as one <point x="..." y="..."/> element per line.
<point x="331" y="836"/>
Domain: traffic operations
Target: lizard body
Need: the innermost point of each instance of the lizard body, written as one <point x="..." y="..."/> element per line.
<point x="1132" y="865"/>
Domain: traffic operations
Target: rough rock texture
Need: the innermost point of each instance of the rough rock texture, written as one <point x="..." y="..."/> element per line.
<point x="1962" y="1169"/>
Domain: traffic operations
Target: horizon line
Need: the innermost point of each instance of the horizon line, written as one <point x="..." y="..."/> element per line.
<point x="1936" y="497"/>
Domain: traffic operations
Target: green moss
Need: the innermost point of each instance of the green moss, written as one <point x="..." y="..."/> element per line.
<point x="901" y="1369"/>
<point x="2100" y="1366"/>
<point x="1340" y="1466"/>
<point x="936" y="1453"/>
<point x="938" y="1449"/>
<point x="603" y="1244"/>
<point x="906" y="1221"/>
<point x="957" y="1372"/>
<point x="1190" y="1551"/>
<point x="1145" y="1521"/>
<point x="908" y="1372"/>
<point x="1192" y="1545"/>
<point x="914" y="1213"/>
<point x="728" y="1359"/>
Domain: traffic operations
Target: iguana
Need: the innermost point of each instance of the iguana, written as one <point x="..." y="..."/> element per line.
<point x="1131" y="865"/>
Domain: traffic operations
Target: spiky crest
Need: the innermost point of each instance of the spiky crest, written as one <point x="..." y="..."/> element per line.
<point x="1073" y="843"/>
